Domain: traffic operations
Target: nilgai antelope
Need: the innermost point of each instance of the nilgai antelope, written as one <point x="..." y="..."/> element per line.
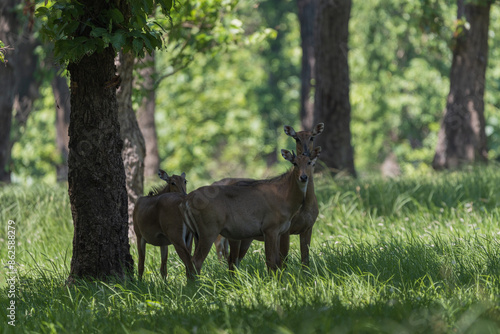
<point x="158" y="221"/>
<point x="304" y="220"/>
<point x="302" y="223"/>
<point x="258" y="208"/>
<point x="221" y="243"/>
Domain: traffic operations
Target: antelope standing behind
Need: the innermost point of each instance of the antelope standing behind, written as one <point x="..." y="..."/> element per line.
<point x="258" y="208"/>
<point x="302" y="223"/>
<point x="158" y="221"/>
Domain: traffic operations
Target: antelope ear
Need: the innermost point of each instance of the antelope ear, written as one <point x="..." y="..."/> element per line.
<point x="163" y="175"/>
<point x="318" y="129"/>
<point x="315" y="153"/>
<point x="288" y="155"/>
<point x="290" y="131"/>
<point x="183" y="175"/>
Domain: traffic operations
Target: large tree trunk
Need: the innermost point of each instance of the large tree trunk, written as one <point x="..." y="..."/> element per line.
<point x="332" y="105"/>
<point x="146" y="116"/>
<point x="462" y="136"/>
<point x="307" y="16"/>
<point x="63" y="109"/>
<point x="96" y="177"/>
<point x="133" y="143"/>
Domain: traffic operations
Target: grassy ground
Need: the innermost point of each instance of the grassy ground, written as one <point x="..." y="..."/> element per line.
<point x="413" y="255"/>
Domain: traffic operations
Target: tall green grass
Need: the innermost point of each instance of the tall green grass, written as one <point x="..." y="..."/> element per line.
<point x="413" y="255"/>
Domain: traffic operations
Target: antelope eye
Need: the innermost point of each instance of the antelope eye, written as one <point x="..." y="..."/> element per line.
<point x="312" y="139"/>
<point x="173" y="183"/>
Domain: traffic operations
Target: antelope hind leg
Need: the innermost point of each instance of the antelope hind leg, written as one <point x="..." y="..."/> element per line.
<point x="185" y="256"/>
<point x="201" y="251"/>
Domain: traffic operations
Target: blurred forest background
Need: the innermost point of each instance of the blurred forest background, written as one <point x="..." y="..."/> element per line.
<point x="229" y="79"/>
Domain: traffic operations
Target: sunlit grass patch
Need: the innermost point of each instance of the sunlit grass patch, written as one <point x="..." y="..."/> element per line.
<point x="408" y="256"/>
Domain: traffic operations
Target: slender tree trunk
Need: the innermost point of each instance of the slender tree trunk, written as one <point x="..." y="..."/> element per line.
<point x="146" y="116"/>
<point x="63" y="109"/>
<point x="96" y="177"/>
<point x="134" y="150"/>
<point x="462" y="136"/>
<point x="18" y="85"/>
<point x="307" y="16"/>
<point x="27" y="85"/>
<point x="332" y="105"/>
<point x="8" y="28"/>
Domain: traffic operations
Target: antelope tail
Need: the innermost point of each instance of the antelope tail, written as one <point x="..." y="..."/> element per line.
<point x="189" y="219"/>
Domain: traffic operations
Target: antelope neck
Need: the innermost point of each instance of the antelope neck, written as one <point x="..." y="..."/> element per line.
<point x="295" y="186"/>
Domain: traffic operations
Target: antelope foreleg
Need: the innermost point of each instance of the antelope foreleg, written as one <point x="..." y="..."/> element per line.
<point x="284" y="248"/>
<point x="234" y="250"/>
<point x="305" y="242"/>
<point x="271" y="245"/>
<point x="245" y="245"/>
<point x="164" y="258"/>
<point x="141" y="250"/>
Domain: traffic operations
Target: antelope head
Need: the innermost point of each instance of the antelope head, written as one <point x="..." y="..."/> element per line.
<point x="304" y="139"/>
<point x="175" y="183"/>
<point x="303" y="165"/>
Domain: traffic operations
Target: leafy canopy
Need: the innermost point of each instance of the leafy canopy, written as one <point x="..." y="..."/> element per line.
<point x="78" y="28"/>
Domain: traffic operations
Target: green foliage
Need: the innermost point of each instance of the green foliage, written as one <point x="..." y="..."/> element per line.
<point x="399" y="70"/>
<point x="220" y="114"/>
<point x="79" y="28"/>
<point x="2" y="56"/>
<point x="399" y="62"/>
<point x="34" y="155"/>
<point x="213" y="118"/>
<point x="422" y="258"/>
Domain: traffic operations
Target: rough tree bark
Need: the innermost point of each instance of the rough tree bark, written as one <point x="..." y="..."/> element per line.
<point x="332" y="105"/>
<point x="462" y="137"/>
<point x="146" y="116"/>
<point x="63" y="109"/>
<point x="307" y="15"/>
<point x="96" y="177"/>
<point x="134" y="150"/>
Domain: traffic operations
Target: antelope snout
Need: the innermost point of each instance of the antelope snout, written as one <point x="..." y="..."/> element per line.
<point x="303" y="178"/>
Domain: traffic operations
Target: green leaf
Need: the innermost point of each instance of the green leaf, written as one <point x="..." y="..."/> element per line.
<point x="118" y="39"/>
<point x="116" y="15"/>
<point x="98" y="32"/>
<point x="42" y="11"/>
<point x="71" y="27"/>
<point x="138" y="46"/>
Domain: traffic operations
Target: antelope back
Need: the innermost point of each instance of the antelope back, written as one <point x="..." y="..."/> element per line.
<point x="304" y="139"/>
